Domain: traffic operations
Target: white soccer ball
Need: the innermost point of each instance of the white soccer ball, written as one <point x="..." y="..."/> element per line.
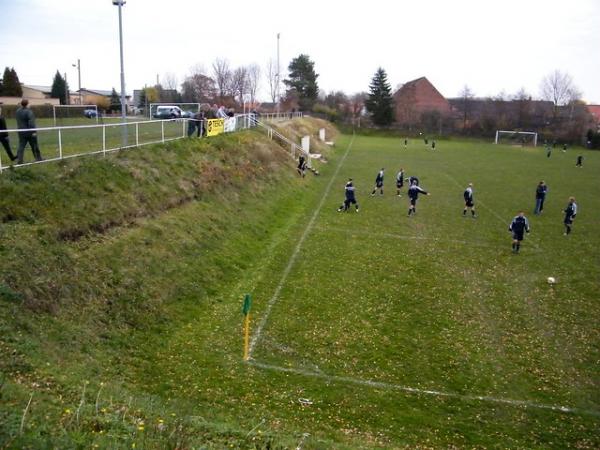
<point x="551" y="280"/>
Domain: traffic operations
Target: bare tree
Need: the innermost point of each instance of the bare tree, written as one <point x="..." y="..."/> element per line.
<point x="272" y="76"/>
<point x="198" y="87"/>
<point x="222" y="77"/>
<point x="170" y="81"/>
<point x="558" y="88"/>
<point x="168" y="87"/>
<point x="239" y="83"/>
<point x="253" y="81"/>
<point x="466" y="95"/>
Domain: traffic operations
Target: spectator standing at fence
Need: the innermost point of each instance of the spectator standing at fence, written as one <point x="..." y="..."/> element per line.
<point x="26" y="121"/>
<point x="4" y="137"/>
<point x="192" y="125"/>
<point x="200" y="116"/>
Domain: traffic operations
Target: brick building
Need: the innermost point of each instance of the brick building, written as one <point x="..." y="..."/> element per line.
<point x="417" y="97"/>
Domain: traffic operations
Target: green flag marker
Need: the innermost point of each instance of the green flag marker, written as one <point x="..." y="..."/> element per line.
<point x="247" y="304"/>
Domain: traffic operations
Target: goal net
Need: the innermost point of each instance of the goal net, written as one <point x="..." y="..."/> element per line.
<point x="516" y="138"/>
<point x="74" y="114"/>
<point x="177" y="110"/>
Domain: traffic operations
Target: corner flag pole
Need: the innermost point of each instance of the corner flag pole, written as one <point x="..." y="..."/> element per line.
<point x="246" y="312"/>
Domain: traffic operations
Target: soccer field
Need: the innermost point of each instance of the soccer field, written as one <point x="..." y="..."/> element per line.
<point x="435" y="308"/>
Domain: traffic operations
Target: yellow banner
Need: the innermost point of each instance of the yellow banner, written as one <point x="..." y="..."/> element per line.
<point x="215" y="126"/>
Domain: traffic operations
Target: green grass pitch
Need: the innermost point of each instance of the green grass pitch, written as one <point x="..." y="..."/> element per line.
<point x="435" y="307"/>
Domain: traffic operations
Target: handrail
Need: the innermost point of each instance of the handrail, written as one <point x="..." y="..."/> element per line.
<point x="243" y="121"/>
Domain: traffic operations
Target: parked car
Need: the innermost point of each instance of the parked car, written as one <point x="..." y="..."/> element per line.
<point x="90" y="113"/>
<point x="168" y="112"/>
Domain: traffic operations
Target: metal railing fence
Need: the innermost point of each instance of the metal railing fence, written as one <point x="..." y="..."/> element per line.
<point x="64" y="142"/>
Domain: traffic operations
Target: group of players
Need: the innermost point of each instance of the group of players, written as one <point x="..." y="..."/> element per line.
<point x="518" y="226"/>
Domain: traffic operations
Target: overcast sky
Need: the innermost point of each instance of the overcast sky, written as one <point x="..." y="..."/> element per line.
<point x="490" y="46"/>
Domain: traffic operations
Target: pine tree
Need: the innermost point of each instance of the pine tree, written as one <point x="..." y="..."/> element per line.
<point x="380" y="102"/>
<point x="115" y="101"/>
<point x="60" y="89"/>
<point x="303" y="80"/>
<point x="11" y="86"/>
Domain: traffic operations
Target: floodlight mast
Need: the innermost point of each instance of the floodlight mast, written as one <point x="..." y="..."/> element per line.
<point x="120" y="4"/>
<point x="78" y="65"/>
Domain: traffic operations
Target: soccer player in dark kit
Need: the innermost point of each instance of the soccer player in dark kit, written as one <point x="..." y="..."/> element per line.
<point x="469" y="201"/>
<point x="570" y="213"/>
<point x="540" y="195"/>
<point x="399" y="181"/>
<point x="413" y="194"/>
<point x="519" y="226"/>
<point x="378" y="183"/>
<point x="350" y="198"/>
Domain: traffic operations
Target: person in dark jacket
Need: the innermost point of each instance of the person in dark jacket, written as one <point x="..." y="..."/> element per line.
<point x="540" y="196"/>
<point x="579" y="161"/>
<point x="413" y="194"/>
<point x="519" y="226"/>
<point x="570" y="213"/>
<point x="469" y="201"/>
<point x="301" y="165"/>
<point x="26" y="121"/>
<point x="4" y="137"/>
<point x="399" y="181"/>
<point x="378" y="183"/>
<point x="350" y="198"/>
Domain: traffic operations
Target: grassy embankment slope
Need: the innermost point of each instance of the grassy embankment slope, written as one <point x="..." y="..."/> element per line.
<point x="106" y="260"/>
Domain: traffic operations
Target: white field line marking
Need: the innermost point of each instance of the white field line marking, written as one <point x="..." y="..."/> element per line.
<point x="294" y="255"/>
<point x="494" y="213"/>
<point x="431" y="392"/>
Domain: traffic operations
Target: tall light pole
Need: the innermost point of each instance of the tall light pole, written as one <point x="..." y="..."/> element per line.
<point x="120" y="4"/>
<point x="78" y="65"/>
<point x="277" y="85"/>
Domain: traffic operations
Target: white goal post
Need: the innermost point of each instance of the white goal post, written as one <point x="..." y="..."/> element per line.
<point x="517" y="137"/>
<point x="183" y="106"/>
<point x="72" y="107"/>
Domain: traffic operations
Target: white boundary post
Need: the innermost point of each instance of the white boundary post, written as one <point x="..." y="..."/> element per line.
<point x="60" y="155"/>
<point x="104" y="140"/>
<point x="137" y="134"/>
<point x="496" y="137"/>
<point x="162" y="130"/>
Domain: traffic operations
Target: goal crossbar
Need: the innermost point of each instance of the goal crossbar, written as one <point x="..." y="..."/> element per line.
<point x="517" y="133"/>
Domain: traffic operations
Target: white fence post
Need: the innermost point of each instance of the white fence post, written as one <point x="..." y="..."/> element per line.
<point x="162" y="130"/>
<point x="59" y="143"/>
<point x="137" y="134"/>
<point x="104" y="140"/>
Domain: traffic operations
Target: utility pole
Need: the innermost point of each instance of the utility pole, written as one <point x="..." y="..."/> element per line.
<point x="120" y="4"/>
<point x="277" y="85"/>
<point x="67" y="96"/>
<point x="78" y="65"/>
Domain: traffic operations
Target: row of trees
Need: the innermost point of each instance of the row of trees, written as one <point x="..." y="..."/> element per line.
<point x="10" y="86"/>
<point x="234" y="86"/>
